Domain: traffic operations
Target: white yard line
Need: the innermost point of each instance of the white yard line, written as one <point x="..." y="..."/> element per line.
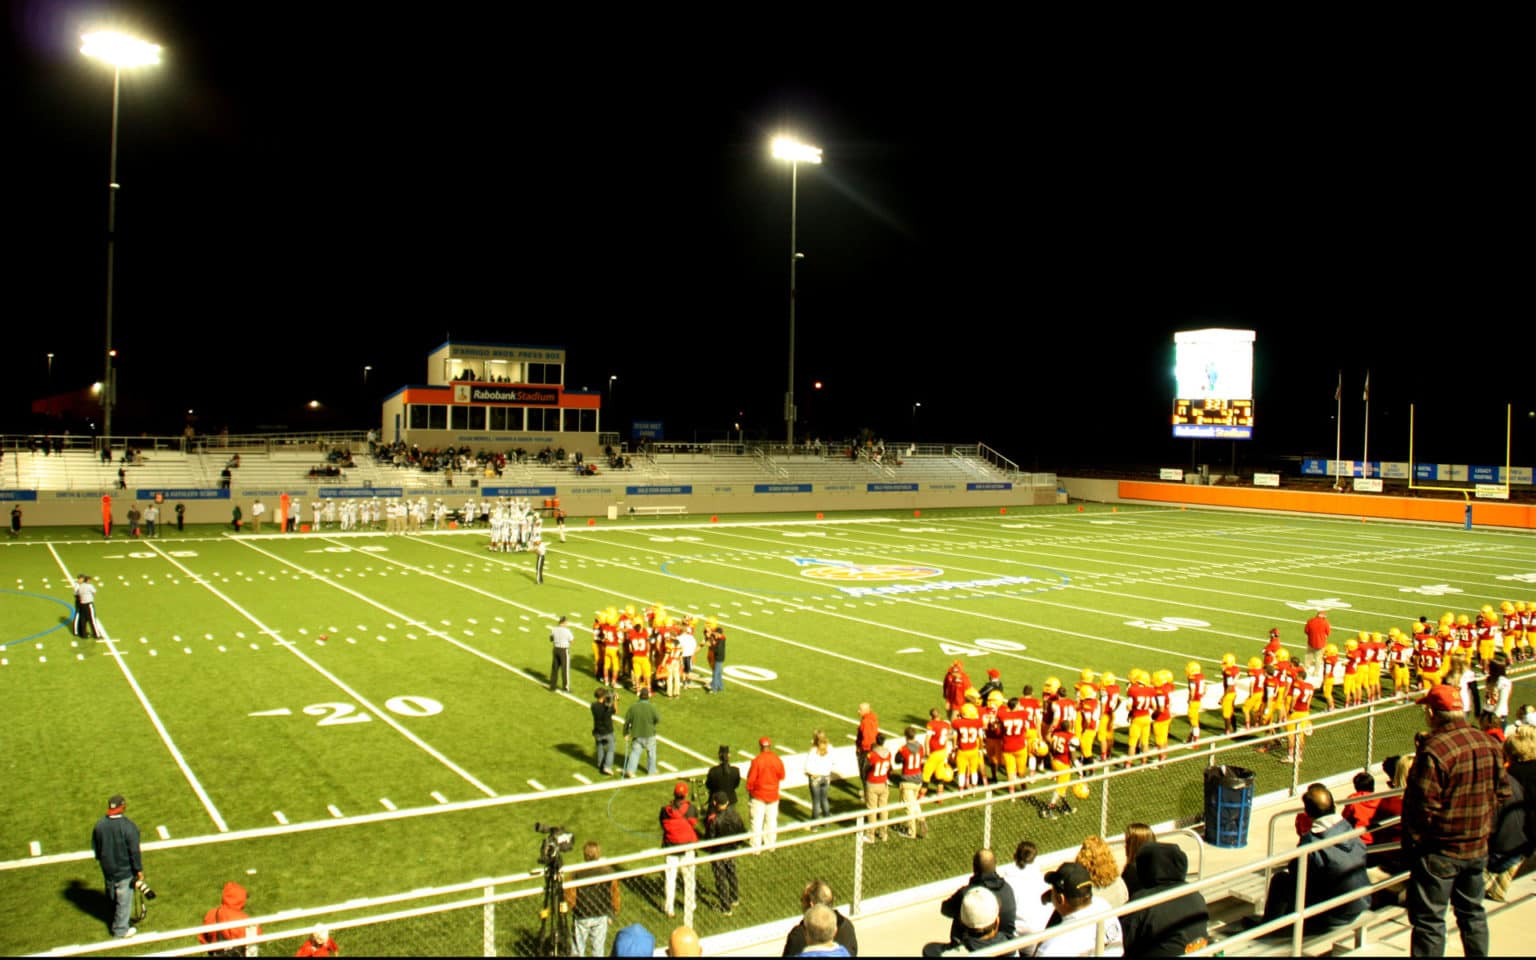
<point x="382" y="715"/>
<point x="154" y="717"/>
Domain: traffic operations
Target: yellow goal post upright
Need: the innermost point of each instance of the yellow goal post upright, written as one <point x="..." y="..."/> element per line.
<point x="1413" y="473"/>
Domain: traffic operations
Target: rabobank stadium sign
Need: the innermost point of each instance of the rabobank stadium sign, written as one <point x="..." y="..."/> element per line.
<point x="489" y="393"/>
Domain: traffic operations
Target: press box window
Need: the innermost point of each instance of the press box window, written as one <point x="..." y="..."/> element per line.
<point x="418" y="416"/>
<point x="437" y="417"/>
<point x="459" y="420"/>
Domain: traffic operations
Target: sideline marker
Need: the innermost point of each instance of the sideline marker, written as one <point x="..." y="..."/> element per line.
<point x="917" y="513"/>
<point x="1002" y="510"/>
<point x="1079" y="508"/>
<point x="591" y="521"/>
<point x="714" y="519"/>
<point x="819" y="517"/>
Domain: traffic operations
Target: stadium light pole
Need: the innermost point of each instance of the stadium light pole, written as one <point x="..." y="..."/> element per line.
<point x="119" y="50"/>
<point x="792" y="150"/>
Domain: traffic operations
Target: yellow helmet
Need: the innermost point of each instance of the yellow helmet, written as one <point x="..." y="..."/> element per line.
<point x="1507" y="607"/>
<point x="1351" y="644"/>
<point x="1052" y="685"/>
<point x="1087" y="676"/>
<point x="1463" y="621"/>
<point x="1430" y="643"/>
<point x="629" y="609"/>
<point x="1444" y="631"/>
<point x="1042" y="747"/>
<point x="1161" y="677"/>
<point x="1284" y="656"/>
<point x="1108" y="678"/>
<point x="995" y="697"/>
<point x="1255" y="663"/>
<point x="711" y="623"/>
<point x="969" y="711"/>
<point x="1332" y="650"/>
<point x="1364" y="635"/>
<point x="1487" y="608"/>
<point x="1419" y="626"/>
<point x="1139" y="675"/>
<point x="1191" y="668"/>
<point x="1394" y="633"/>
<point x="1376" y="637"/>
<point x="1520" y="606"/>
<point x="971" y="694"/>
<point x="1080" y="790"/>
<point x="1229" y="659"/>
<point x="1447" y="617"/>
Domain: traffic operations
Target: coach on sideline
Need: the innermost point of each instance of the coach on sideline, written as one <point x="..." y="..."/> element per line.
<point x="560" y="665"/>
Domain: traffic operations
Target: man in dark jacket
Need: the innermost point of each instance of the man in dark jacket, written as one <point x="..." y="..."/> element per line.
<point x="724" y="776"/>
<point x="723" y="823"/>
<point x="983" y="874"/>
<point x="1166" y="929"/>
<point x="1331" y="871"/>
<point x="115" y="842"/>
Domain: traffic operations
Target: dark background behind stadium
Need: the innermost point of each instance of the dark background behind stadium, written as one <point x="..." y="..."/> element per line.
<point x="1010" y="224"/>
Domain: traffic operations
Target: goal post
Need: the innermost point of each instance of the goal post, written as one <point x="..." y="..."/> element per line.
<point x="1449" y="484"/>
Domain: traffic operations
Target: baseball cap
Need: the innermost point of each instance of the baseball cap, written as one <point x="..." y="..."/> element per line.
<point x="764" y="742"/>
<point x="634" y="941"/>
<point x="1442" y="698"/>
<point x="1070" y="879"/>
<point x="117" y="801"/>
<point x="978" y="909"/>
<point x="994" y="673"/>
<point x="721" y="797"/>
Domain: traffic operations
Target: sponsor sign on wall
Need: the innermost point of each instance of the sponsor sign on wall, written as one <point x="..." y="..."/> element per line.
<point x="663" y="490"/>
<point x="1367" y="484"/>
<point x="1266" y="479"/>
<point x="187" y="494"/>
<point x="781" y="488"/>
<point x="1171" y="473"/>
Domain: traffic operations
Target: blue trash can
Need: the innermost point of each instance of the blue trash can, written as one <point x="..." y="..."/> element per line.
<point x="1228" y="802"/>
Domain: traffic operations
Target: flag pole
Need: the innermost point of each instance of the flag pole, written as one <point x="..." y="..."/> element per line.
<point x="1338" y="436"/>
<point x="1365" y="455"/>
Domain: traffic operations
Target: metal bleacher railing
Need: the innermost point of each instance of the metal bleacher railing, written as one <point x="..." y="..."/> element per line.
<point x="500" y="916"/>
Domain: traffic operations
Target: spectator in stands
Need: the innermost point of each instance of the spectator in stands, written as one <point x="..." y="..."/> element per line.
<point x="592" y="906"/>
<point x="1096" y="857"/>
<point x="817" y="893"/>
<point x="1331" y="871"/>
<point x="983" y="875"/>
<point x="634" y="941"/>
<point x="1362" y="813"/>
<point x="1168" y="929"/>
<point x="1389" y="809"/>
<point x="1456" y="786"/>
<point x="820" y="924"/>
<point x="684" y="942"/>
<point x="1032" y="906"/>
<point x="1513" y="839"/>
<point x="723" y="823"/>
<point x="224" y="477"/>
<point x="978" y="925"/>
<point x="1072" y="898"/>
<point x="1137" y="835"/>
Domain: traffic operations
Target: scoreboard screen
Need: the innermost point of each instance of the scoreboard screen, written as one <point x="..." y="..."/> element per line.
<point x="1220" y="419"/>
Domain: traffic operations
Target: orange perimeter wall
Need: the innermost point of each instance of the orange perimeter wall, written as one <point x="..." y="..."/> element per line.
<point x="1343" y="504"/>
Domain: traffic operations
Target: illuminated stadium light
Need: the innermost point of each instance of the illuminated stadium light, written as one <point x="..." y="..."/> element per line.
<point x="119" y="49"/>
<point x="788" y="148"/>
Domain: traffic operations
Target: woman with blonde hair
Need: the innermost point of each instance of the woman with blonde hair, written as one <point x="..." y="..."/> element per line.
<point x="818" y="774"/>
<point x="1096" y="857"/>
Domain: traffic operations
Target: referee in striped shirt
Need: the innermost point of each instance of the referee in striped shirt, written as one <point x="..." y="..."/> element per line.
<point x="85" y="608"/>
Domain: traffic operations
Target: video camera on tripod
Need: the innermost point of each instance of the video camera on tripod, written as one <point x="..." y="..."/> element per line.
<point x="557" y="840"/>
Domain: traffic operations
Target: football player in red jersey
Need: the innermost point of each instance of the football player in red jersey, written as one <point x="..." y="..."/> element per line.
<point x="1194" y="679"/>
<point x="1034" y="719"/>
<point x="1298" y="723"/>
<point x="1272" y="648"/>
<point x="1013" y="721"/>
<point x="907" y="772"/>
<point x="1062" y="750"/>
<point x="936" y="768"/>
<point x="1139" y="695"/>
<point x="1230" y="673"/>
<point x="1088" y="708"/>
<point x="1109" y="706"/>
<point x="968" y="735"/>
<point x="1162" y="711"/>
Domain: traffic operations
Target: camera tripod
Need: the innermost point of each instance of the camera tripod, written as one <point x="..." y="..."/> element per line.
<point x="556" y="933"/>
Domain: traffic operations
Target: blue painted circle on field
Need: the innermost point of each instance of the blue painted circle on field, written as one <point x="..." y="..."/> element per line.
<point x="40" y="633"/>
<point x="1056" y="580"/>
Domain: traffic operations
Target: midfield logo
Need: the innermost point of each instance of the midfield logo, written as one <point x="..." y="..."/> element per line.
<point x="844" y="572"/>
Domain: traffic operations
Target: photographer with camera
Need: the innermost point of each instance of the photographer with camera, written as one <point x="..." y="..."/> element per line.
<point x="115" y="842"/>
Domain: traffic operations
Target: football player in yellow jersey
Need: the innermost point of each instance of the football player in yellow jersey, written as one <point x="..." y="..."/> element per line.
<point x="1512" y="627"/>
<point x="1088" y="707"/>
<point x="1139" y="698"/>
<point x="1109" y="705"/>
<point x="1194" y="678"/>
<point x="1253" y="684"/>
<point x="1279" y="702"/>
<point x="1400" y="655"/>
<point x="1527" y="630"/>
<point x="1162" y="710"/>
<point x="1352" y="661"/>
<point x="1333" y="672"/>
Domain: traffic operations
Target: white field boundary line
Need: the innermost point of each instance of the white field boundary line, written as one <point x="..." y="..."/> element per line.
<point x="907" y="600"/>
<point x="154" y="717"/>
<point x="1333" y="519"/>
<point x="383" y="816"/>
<point x="738" y="625"/>
<point x="336" y="681"/>
<point x="1178" y="578"/>
<point x="467" y="648"/>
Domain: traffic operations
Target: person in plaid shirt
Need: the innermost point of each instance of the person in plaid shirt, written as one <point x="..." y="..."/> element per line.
<point x="1454" y="789"/>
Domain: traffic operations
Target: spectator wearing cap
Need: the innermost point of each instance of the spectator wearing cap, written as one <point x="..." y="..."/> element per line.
<point x="1069" y="890"/>
<point x="978" y="926"/>
<point x="723" y="823"/>
<point x="115" y="841"/>
<point x="1317" y="630"/>
<point x="1455" y="787"/>
<point x="640" y="723"/>
<point x="679" y="827"/>
<point x="1168" y="929"/>
<point x="994" y="682"/>
<point x="763" y="779"/>
<point x="984" y="875"/>
<point x="818" y="893"/>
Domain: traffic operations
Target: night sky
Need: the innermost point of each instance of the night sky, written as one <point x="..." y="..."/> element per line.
<point x="1007" y="228"/>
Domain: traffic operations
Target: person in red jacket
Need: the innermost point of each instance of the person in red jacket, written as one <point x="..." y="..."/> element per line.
<point x="679" y="827"/>
<point x="763" y="779"/>
<point x="231" y="907"/>
<point x="869" y="729"/>
<point x="955" y="684"/>
<point x="319" y="944"/>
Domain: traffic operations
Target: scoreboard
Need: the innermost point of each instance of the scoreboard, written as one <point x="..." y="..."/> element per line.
<point x="1211" y="417"/>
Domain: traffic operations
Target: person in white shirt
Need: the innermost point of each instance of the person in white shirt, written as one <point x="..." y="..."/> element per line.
<point x="1032" y="909"/>
<point x="818" y="775"/>
<point x="687" y="646"/>
<point x="258" y="510"/>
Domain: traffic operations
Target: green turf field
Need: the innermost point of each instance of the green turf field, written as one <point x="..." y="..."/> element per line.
<point x="324" y="716"/>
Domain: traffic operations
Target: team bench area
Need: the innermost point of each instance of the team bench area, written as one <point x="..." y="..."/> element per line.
<point x="676" y="509"/>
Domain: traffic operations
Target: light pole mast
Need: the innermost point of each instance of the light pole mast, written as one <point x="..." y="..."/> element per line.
<point x="785" y="148"/>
